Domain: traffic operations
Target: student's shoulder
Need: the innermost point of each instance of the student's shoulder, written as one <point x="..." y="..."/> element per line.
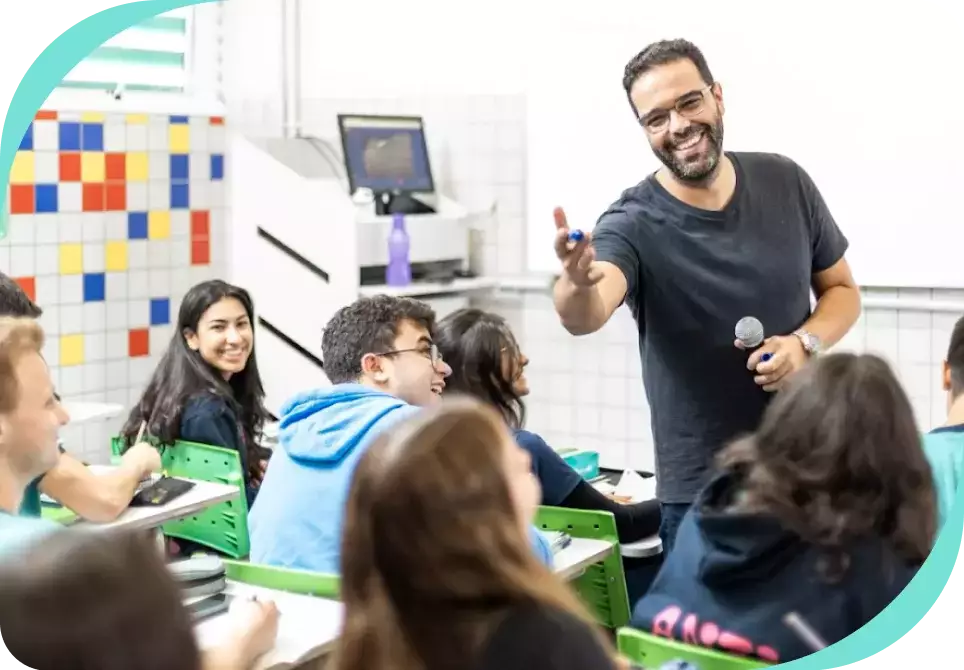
<point x="205" y="405"/>
<point x="944" y="447"/>
<point x="17" y="533"/>
<point x="526" y="438"/>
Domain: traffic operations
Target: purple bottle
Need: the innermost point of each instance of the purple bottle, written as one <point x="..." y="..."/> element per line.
<point x="399" y="272"/>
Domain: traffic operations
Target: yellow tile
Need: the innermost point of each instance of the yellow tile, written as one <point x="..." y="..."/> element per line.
<point x="71" y="259"/>
<point x="180" y="138"/>
<point x="136" y="167"/>
<point x="22" y="171"/>
<point x="115" y="256"/>
<point x="92" y="166"/>
<point x="72" y="349"/>
<point x="93" y="117"/>
<point x="138" y="119"/>
<point x="159" y="225"/>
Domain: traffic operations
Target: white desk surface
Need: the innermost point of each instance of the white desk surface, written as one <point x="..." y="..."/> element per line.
<point x="202" y="496"/>
<point x="579" y="555"/>
<point x="84" y="412"/>
<point x="307" y="629"/>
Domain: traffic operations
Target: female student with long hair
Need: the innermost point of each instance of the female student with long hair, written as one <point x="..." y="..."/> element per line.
<point x="207" y="388"/>
<point x="436" y="567"/>
<point x="488" y="364"/>
<point x="106" y="600"/>
<point x="826" y="512"/>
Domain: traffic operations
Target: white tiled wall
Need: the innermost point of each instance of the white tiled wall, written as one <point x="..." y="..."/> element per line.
<point x="587" y="392"/>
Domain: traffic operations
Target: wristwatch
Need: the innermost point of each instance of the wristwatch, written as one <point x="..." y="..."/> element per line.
<point x="811" y="343"/>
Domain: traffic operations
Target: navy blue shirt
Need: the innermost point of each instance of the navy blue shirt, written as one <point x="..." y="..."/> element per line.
<point x="732" y="577"/>
<point x="558" y="478"/>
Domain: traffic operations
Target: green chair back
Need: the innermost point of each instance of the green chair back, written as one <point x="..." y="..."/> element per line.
<point x="602" y="586"/>
<point x="222" y="527"/>
<point x="650" y="651"/>
<point x="284" y="579"/>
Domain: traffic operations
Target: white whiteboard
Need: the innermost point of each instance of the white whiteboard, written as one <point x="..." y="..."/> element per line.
<point x="867" y="98"/>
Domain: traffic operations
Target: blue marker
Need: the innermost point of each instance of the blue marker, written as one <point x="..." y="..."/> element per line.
<point x="765" y="357"/>
<point x="577" y="236"/>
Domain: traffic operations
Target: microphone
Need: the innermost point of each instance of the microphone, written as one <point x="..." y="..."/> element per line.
<point x="749" y="331"/>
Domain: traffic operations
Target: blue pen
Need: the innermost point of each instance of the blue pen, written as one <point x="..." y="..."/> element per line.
<point x="576" y="236"/>
<point x="765" y="357"/>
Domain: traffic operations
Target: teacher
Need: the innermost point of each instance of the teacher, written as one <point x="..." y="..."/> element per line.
<point x="709" y="238"/>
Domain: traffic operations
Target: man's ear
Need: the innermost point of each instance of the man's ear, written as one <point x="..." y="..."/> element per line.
<point x="946" y="377"/>
<point x="374" y="366"/>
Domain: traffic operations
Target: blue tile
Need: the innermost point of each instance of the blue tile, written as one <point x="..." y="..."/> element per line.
<point x="179" y="167"/>
<point x="180" y="198"/>
<point x="179" y="119"/>
<point x="217" y="166"/>
<point x="160" y="311"/>
<point x="137" y="226"/>
<point x="46" y="198"/>
<point x="69" y="136"/>
<point x="26" y="144"/>
<point x="94" y="287"/>
<point x="92" y="136"/>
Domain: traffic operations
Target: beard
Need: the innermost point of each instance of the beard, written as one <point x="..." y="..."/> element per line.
<point x="695" y="167"/>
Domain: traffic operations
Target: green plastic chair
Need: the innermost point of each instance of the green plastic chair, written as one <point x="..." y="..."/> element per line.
<point x="602" y="586"/>
<point x="651" y="651"/>
<point x="58" y="514"/>
<point x="284" y="579"/>
<point x="222" y="527"/>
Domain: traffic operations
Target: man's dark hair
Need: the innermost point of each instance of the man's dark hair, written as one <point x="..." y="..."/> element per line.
<point x="367" y="326"/>
<point x="955" y="358"/>
<point x="663" y="53"/>
<point x="14" y="301"/>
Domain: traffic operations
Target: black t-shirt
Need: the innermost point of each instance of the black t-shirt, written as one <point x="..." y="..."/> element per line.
<point x="691" y="275"/>
<point x="534" y="636"/>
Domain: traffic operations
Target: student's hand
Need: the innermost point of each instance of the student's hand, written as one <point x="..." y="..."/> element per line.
<point x="787" y="356"/>
<point x="576" y="258"/>
<point x="257" y="628"/>
<point x="143" y="458"/>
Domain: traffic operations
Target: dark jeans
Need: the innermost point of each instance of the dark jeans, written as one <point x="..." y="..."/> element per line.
<point x="671" y="514"/>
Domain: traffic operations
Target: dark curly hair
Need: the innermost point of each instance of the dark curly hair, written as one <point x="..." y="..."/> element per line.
<point x="14" y="301"/>
<point x="838" y="459"/>
<point x="955" y="358"/>
<point x="367" y="326"/>
<point x="664" y="52"/>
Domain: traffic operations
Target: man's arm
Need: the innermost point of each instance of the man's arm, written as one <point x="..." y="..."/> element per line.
<point x="586" y="309"/>
<point x="99" y="498"/>
<point x="838" y="304"/>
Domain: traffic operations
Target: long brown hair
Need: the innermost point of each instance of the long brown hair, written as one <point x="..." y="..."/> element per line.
<point x="433" y="553"/>
<point x="94" y="600"/>
<point x="838" y="459"/>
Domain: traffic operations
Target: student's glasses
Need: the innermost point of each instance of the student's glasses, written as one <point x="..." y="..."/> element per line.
<point x="431" y="352"/>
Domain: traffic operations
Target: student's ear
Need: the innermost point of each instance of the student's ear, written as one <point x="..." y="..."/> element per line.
<point x="373" y="366"/>
<point x="191" y="338"/>
<point x="946" y="377"/>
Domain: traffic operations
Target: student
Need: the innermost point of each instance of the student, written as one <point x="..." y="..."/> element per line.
<point x="381" y="357"/>
<point x="487" y="364"/>
<point x="436" y="573"/>
<point x="106" y="601"/>
<point x="944" y="446"/>
<point x="98" y="498"/>
<point x="207" y="388"/>
<point x="30" y="418"/>
<point x="826" y="512"/>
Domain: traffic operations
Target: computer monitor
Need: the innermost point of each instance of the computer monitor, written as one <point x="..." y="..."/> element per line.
<point x="387" y="154"/>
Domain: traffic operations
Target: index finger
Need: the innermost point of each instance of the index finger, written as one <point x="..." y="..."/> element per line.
<point x="560" y="216"/>
<point x="771" y="365"/>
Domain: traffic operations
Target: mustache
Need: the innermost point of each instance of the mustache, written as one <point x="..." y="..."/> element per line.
<point x="677" y="139"/>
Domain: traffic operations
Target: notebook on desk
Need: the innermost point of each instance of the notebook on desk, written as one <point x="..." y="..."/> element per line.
<point x="557" y="540"/>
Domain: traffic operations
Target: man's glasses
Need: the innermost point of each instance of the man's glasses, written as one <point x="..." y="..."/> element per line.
<point x="430" y="352"/>
<point x="687" y="106"/>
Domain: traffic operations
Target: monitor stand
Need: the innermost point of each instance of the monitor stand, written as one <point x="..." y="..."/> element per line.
<point x="388" y="203"/>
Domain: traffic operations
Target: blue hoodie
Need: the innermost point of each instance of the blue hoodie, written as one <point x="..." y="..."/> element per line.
<point x="296" y="521"/>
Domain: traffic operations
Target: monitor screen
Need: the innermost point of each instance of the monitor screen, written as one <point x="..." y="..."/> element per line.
<point x="386" y="153"/>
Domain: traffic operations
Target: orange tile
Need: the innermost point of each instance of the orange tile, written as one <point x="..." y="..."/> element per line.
<point x="200" y="225"/>
<point x="46" y="115"/>
<point x="200" y="252"/>
<point x="217" y="120"/>
<point x="116" y="197"/>
<point x="23" y="199"/>
<point x="29" y="286"/>
<point x="138" y="342"/>
<point x="93" y="197"/>
<point x="116" y="167"/>
<point x="69" y="167"/>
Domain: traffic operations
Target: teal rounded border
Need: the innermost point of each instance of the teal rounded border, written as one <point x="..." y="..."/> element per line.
<point x="76" y="43"/>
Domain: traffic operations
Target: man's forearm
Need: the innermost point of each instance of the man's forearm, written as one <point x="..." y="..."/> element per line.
<point x="836" y="312"/>
<point x="580" y="308"/>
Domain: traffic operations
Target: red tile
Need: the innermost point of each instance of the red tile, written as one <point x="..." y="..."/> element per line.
<point x="23" y="199"/>
<point x="200" y="225"/>
<point x="29" y="286"/>
<point x="70" y="167"/>
<point x="116" y="167"/>
<point x="217" y="120"/>
<point x="116" y="197"/>
<point x="138" y="342"/>
<point x="93" y="197"/>
<point x="200" y="252"/>
<point x="46" y="115"/>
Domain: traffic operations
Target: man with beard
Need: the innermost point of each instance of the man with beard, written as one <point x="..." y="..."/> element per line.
<point x="709" y="238"/>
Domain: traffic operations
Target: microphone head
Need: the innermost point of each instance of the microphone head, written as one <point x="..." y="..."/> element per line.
<point x="749" y="331"/>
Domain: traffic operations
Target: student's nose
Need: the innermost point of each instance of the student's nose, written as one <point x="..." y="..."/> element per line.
<point x="233" y="336"/>
<point x="443" y="369"/>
